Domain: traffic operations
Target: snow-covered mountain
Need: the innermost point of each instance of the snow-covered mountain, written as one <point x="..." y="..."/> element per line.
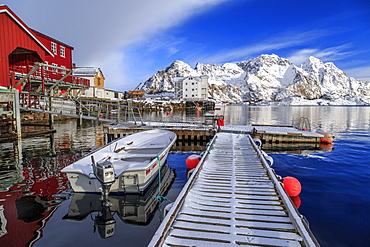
<point x="270" y="79"/>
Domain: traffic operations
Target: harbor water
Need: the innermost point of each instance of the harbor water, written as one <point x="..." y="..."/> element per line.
<point x="37" y="207"/>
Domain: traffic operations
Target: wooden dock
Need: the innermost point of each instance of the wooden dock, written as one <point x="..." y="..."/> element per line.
<point x="233" y="198"/>
<point x="275" y="134"/>
<point x="188" y="134"/>
<point x="194" y="136"/>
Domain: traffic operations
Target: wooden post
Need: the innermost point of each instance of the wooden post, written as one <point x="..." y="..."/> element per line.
<point x="51" y="116"/>
<point x="17" y="114"/>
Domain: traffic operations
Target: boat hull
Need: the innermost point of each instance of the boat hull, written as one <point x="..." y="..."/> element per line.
<point x="136" y="167"/>
<point x="130" y="182"/>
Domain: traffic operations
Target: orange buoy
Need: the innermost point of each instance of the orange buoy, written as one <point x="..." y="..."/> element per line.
<point x="292" y="186"/>
<point x="327" y="139"/>
<point x="192" y="161"/>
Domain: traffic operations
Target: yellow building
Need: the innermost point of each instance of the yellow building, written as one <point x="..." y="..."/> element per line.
<point x="96" y="78"/>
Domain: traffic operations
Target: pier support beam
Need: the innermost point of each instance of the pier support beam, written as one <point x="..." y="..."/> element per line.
<point x="10" y="97"/>
<point x="17" y="114"/>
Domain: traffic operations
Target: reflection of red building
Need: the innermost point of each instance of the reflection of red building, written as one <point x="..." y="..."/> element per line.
<point x="27" y="206"/>
<point x="22" y="47"/>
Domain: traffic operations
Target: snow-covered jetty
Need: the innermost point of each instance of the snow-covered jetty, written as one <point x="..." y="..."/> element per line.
<point x="233" y="198"/>
<point x="197" y="133"/>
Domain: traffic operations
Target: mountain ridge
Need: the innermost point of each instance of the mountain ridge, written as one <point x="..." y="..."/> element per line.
<point x="270" y="79"/>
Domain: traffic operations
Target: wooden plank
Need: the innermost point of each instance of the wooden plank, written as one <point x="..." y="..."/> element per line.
<point x="243" y="231"/>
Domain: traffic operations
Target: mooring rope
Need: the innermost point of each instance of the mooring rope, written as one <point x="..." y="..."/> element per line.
<point x="159" y="197"/>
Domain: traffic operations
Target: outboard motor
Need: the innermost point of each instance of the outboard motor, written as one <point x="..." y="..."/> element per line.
<point x="104" y="172"/>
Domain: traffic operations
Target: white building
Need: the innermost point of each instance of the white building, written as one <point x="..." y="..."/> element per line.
<point x="191" y="88"/>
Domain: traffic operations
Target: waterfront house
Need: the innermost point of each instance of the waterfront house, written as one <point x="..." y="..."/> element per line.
<point x="191" y="88"/>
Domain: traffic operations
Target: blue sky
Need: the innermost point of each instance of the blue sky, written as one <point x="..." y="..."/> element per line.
<point x="132" y="40"/>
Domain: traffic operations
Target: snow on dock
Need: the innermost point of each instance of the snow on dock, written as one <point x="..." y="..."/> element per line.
<point x="233" y="198"/>
<point x="267" y="134"/>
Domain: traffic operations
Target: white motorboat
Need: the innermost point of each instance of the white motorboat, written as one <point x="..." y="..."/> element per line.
<point x="126" y="165"/>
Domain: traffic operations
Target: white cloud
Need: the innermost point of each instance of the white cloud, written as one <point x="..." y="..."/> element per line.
<point x="329" y="54"/>
<point x="273" y="44"/>
<point x="360" y="73"/>
<point x="100" y="30"/>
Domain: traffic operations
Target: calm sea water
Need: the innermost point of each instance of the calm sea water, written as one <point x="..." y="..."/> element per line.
<point x="37" y="207"/>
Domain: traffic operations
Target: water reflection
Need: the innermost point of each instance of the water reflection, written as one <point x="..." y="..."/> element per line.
<point x="30" y="179"/>
<point x="134" y="209"/>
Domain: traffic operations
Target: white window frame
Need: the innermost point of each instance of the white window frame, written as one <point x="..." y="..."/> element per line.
<point x="54" y="69"/>
<point x="54" y="47"/>
<point x="62" y="70"/>
<point x="62" y="51"/>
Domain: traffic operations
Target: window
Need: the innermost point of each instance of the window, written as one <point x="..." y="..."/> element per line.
<point x="45" y="67"/>
<point x="62" y="70"/>
<point x="54" y="47"/>
<point x="62" y="51"/>
<point x="54" y="69"/>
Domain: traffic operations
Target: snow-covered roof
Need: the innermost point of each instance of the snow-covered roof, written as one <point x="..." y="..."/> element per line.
<point x="86" y="71"/>
<point x="195" y="78"/>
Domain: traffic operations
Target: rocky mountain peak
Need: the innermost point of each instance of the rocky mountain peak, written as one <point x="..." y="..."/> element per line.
<point x="267" y="78"/>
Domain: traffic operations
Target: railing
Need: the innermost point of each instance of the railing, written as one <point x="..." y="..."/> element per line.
<point x="48" y="75"/>
<point x="302" y="124"/>
<point x="86" y="109"/>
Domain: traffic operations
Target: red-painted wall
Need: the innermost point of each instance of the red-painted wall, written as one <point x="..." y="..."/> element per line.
<point x="13" y="34"/>
<point x="58" y="59"/>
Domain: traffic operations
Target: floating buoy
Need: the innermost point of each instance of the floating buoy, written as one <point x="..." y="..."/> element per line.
<point x="192" y="161"/>
<point x="101" y="115"/>
<point x="258" y="142"/>
<point x="296" y="201"/>
<point x="269" y="159"/>
<point x="292" y="186"/>
<point x="327" y="139"/>
<point x="168" y="113"/>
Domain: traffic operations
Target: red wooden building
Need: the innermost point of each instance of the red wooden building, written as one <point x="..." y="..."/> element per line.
<point x="22" y="47"/>
<point x="62" y="53"/>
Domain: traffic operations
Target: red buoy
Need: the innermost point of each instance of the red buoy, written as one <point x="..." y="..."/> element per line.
<point x="292" y="186"/>
<point x="192" y="161"/>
